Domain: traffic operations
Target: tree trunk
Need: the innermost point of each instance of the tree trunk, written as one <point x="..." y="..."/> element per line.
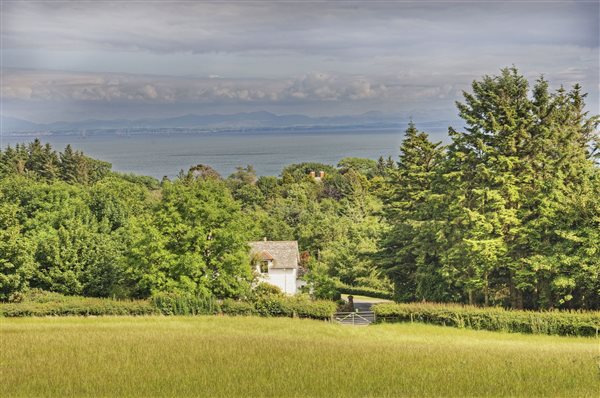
<point x="514" y="300"/>
<point x="486" y="291"/>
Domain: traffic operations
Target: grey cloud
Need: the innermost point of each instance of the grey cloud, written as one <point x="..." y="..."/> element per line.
<point x="29" y="93"/>
<point x="326" y="87"/>
<point x="178" y="56"/>
<point x="333" y="28"/>
<point x="60" y="86"/>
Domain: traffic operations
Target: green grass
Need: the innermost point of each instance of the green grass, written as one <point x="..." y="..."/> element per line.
<point x="250" y="356"/>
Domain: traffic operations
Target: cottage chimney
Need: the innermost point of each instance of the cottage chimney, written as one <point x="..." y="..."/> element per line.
<point x="312" y="174"/>
<point x="321" y="174"/>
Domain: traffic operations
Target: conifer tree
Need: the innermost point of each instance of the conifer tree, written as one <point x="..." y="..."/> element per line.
<point x="407" y="248"/>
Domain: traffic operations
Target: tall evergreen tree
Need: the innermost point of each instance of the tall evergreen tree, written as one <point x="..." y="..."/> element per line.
<point x="408" y="254"/>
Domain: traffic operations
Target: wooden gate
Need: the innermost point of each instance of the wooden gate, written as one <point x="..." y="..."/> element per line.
<point x="354" y="318"/>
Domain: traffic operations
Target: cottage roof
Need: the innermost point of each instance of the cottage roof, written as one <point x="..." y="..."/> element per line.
<point x="264" y="255"/>
<point x="283" y="253"/>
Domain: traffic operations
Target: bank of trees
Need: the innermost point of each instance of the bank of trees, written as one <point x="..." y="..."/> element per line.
<point x="507" y="213"/>
<point x="106" y="234"/>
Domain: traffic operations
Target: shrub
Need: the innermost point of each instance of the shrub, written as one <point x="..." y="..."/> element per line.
<point x="43" y="296"/>
<point x="296" y="306"/>
<point x="234" y="307"/>
<point x="304" y="307"/>
<point x="319" y="284"/>
<point x="184" y="304"/>
<point x="54" y="304"/>
<point x="274" y="306"/>
<point x="568" y="323"/>
<point x="365" y="291"/>
<point x="285" y="306"/>
<point x="264" y="290"/>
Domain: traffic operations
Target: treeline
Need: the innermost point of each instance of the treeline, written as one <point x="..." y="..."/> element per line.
<point x="507" y="214"/>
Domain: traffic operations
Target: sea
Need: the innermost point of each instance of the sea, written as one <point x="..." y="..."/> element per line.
<point x="162" y="154"/>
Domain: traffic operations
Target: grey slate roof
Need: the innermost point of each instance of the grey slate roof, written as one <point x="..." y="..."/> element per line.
<point x="284" y="252"/>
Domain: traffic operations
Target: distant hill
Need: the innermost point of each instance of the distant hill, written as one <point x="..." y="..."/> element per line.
<point x="218" y="122"/>
<point x="12" y="124"/>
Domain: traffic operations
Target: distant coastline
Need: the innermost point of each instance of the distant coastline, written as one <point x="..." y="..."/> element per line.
<point x="181" y="130"/>
<point x="263" y="122"/>
<point x="159" y="154"/>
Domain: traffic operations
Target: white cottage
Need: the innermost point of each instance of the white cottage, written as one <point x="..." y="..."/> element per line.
<point x="276" y="262"/>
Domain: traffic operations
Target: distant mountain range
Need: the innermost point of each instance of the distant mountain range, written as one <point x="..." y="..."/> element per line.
<point x="217" y="122"/>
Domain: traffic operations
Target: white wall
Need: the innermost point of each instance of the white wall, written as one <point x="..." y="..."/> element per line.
<point x="285" y="279"/>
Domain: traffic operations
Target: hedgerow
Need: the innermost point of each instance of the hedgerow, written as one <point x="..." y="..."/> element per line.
<point x="185" y="304"/>
<point x="279" y="305"/>
<point x="566" y="323"/>
<point x="235" y="307"/>
<point x="40" y="303"/>
<point x="81" y="306"/>
<point x="364" y="291"/>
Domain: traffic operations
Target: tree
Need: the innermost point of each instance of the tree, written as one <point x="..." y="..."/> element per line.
<point x="202" y="172"/>
<point x="16" y="261"/>
<point x="197" y="241"/>
<point x="243" y="186"/>
<point x="409" y="246"/>
<point x="366" y="167"/>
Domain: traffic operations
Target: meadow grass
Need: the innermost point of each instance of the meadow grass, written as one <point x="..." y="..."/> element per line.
<point x="280" y="357"/>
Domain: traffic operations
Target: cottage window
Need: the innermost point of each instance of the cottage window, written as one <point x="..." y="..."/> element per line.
<point x="264" y="267"/>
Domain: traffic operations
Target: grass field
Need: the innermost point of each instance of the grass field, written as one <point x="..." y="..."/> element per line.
<point x="228" y="356"/>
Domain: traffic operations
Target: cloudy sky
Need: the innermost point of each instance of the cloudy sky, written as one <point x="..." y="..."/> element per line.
<point x="135" y="59"/>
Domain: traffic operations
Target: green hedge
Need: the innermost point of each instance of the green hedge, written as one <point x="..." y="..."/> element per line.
<point x="235" y="307"/>
<point x="496" y="319"/>
<point x="82" y="306"/>
<point x="364" y="291"/>
<point x="40" y="303"/>
<point x="184" y="304"/>
<point x="315" y="309"/>
<point x="295" y="306"/>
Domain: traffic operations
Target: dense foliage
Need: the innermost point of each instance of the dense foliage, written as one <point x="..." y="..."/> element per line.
<point x="507" y="214"/>
<point x="565" y="323"/>
<point x="364" y="291"/>
<point x="132" y="237"/>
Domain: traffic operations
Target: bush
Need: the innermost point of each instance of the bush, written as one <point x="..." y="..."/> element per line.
<point x="564" y="323"/>
<point x="296" y="306"/>
<point x="285" y="306"/>
<point x="264" y="290"/>
<point x="43" y="296"/>
<point x="364" y="291"/>
<point x="234" y="307"/>
<point x="304" y="307"/>
<point x="185" y="304"/>
<point x="54" y="304"/>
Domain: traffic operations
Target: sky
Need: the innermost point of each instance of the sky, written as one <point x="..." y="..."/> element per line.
<point x="139" y="59"/>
